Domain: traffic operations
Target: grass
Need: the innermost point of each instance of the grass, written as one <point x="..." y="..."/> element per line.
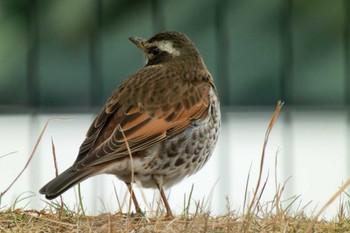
<point x="257" y="216"/>
<point x="19" y="220"/>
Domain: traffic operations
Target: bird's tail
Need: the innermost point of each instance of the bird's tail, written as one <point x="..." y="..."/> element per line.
<point x="64" y="181"/>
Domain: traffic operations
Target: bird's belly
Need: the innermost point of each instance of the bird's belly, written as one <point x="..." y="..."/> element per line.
<point x="169" y="161"/>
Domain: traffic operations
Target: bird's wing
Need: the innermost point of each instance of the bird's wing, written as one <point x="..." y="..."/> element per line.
<point x="144" y="110"/>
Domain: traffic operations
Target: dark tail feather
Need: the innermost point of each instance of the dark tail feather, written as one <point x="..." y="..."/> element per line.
<point x="65" y="181"/>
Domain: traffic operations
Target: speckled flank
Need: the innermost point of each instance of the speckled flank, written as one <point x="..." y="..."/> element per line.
<point x="175" y="158"/>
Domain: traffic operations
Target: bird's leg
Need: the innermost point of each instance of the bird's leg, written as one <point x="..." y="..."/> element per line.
<point x="169" y="214"/>
<point x="134" y="200"/>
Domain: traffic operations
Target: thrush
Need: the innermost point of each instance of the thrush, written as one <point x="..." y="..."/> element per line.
<point x="158" y="127"/>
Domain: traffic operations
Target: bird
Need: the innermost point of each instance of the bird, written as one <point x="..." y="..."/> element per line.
<point x="156" y="128"/>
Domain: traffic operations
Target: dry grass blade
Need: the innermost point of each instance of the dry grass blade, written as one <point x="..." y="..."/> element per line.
<point x="253" y="203"/>
<point x="330" y="201"/>
<point x="246" y="189"/>
<point x="31" y="155"/>
<point x="54" y="157"/>
<point x="117" y="197"/>
<point x="132" y="168"/>
<point x="56" y="167"/>
<point x="3" y="156"/>
<point x="268" y="131"/>
<point x="29" y="159"/>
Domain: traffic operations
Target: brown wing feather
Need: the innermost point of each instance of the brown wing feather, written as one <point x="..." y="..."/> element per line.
<point x="142" y="133"/>
<point x="143" y="119"/>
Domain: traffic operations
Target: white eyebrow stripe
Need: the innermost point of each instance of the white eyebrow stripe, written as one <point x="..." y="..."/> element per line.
<point x="168" y="47"/>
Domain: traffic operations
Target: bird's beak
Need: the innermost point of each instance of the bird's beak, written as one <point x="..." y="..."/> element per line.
<point x="139" y="42"/>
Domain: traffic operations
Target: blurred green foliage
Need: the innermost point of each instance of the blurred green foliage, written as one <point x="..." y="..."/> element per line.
<point x="72" y="54"/>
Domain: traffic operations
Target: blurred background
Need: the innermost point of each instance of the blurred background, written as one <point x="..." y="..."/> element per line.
<point x="62" y="59"/>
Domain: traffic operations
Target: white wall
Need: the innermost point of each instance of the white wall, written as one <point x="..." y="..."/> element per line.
<point x="311" y="147"/>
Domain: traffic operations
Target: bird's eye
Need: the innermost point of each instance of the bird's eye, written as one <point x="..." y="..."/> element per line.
<point x="154" y="50"/>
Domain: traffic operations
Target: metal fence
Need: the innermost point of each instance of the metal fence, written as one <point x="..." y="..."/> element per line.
<point x="63" y="55"/>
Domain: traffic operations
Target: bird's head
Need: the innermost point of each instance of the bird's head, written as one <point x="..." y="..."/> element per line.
<point x="166" y="46"/>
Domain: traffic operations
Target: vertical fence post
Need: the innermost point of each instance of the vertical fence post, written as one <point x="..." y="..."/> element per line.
<point x="95" y="55"/>
<point x="222" y="55"/>
<point x="346" y="41"/>
<point x="158" y="19"/>
<point x="286" y="89"/>
<point x="33" y="90"/>
<point x="96" y="78"/>
<point x="222" y="79"/>
<point x="286" y="70"/>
